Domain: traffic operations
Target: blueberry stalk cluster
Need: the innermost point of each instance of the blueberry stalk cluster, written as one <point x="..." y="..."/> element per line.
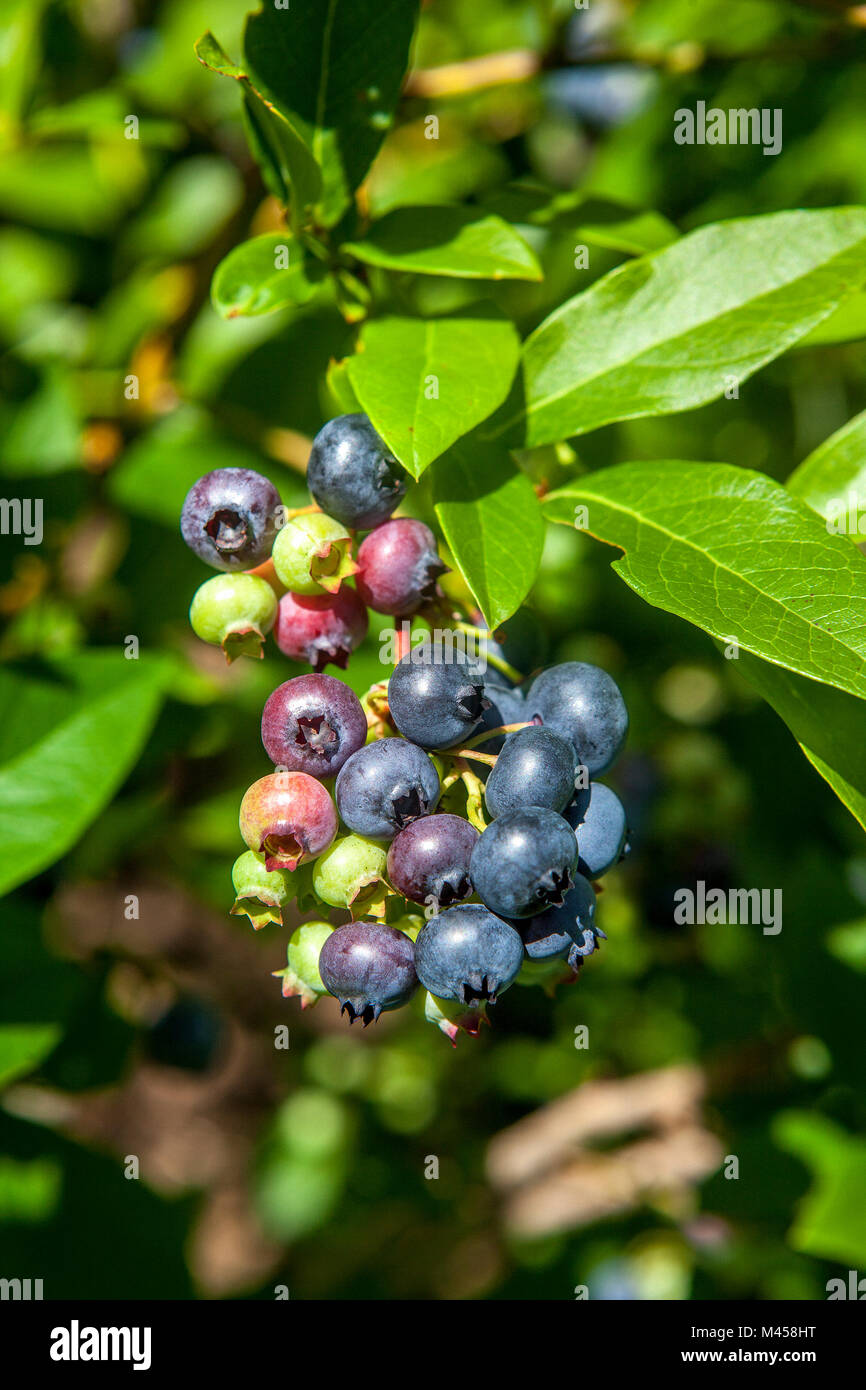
<point x="453" y="811"/>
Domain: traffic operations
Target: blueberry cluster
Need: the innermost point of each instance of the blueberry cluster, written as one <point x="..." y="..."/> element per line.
<point x="453" y="811"/>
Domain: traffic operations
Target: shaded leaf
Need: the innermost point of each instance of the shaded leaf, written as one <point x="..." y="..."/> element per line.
<point x="50" y="792"/>
<point x="333" y="70"/>
<point x="252" y="278"/>
<point x="278" y="139"/>
<point x="492" y="522"/>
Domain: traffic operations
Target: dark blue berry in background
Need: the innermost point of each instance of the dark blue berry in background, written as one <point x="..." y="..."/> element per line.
<point x="468" y="954"/>
<point x="229" y="518"/>
<point x="353" y="475"/>
<point x="385" y="786"/>
<point x="436" y="695"/>
<point x="598" y="818"/>
<point x="369" y="968"/>
<point x="535" y="768"/>
<point x="567" y="930"/>
<point x="583" y="703"/>
<point x="313" y="724"/>
<point x="507" y="706"/>
<point x="523" y="862"/>
<point x="428" y="862"/>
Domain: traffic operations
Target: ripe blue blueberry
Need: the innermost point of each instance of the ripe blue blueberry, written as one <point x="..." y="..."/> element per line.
<point x="523" y="862"/>
<point x="599" y="823"/>
<point x="467" y="953"/>
<point x="535" y="768"/>
<point x="313" y="724"/>
<point x="353" y="475"/>
<point x="385" y="786"/>
<point x="436" y="695"/>
<point x="568" y="930"/>
<point x="230" y="517"/>
<point x="428" y="862"/>
<point x="583" y="703"/>
<point x="370" y="968"/>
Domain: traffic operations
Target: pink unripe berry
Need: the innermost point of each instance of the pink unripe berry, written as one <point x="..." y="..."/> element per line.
<point x="321" y="628"/>
<point x="398" y="566"/>
<point x="289" y="818"/>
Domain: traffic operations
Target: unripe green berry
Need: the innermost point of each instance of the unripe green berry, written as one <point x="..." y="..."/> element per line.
<point x="261" y="894"/>
<point x="313" y="554"/>
<point x="546" y="973"/>
<point x="351" y="872"/>
<point x="453" y="1017"/>
<point x="301" y="974"/>
<point x="235" y="612"/>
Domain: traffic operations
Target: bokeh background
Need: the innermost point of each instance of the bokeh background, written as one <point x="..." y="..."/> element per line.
<point x="151" y="1039"/>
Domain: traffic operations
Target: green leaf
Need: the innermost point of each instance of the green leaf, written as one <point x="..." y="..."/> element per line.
<point x="462" y="242"/>
<point x="732" y="552"/>
<point x="846" y="324"/>
<point x="340" y="388"/>
<point x="468" y="361"/>
<point x="831" y="1218"/>
<point x="263" y="275"/>
<point x="492" y="522"/>
<point x="277" y="138"/>
<point x="600" y="221"/>
<point x="23" y="1046"/>
<point x="54" y="788"/>
<point x="833" y="478"/>
<point x="333" y="69"/>
<point x="827" y="723"/>
<point x="672" y="330"/>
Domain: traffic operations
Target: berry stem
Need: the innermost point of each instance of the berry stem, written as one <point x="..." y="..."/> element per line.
<point x="500" y="729"/>
<point x="484" y="634"/>
<point x="403" y="644"/>
<point x="267" y="572"/>
<point x="489" y="758"/>
<point x="474" y="797"/>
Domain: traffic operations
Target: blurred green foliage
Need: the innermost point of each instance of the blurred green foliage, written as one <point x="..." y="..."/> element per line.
<point x="106" y="258"/>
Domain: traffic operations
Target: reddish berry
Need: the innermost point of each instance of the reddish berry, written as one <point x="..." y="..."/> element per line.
<point x="289" y="818"/>
<point x="321" y="629"/>
<point x="398" y="566"/>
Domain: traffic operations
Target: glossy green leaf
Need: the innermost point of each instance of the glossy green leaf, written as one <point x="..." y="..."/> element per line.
<point x="333" y="69"/>
<point x="262" y="275"/>
<point x="278" y="138"/>
<point x="492" y="522"/>
<point x="425" y="383"/>
<point x="846" y="324"/>
<point x="462" y="242"/>
<point x="340" y="388"/>
<point x="678" y="328"/>
<point x="833" y="478"/>
<point x="732" y="552"/>
<point x="89" y="740"/>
